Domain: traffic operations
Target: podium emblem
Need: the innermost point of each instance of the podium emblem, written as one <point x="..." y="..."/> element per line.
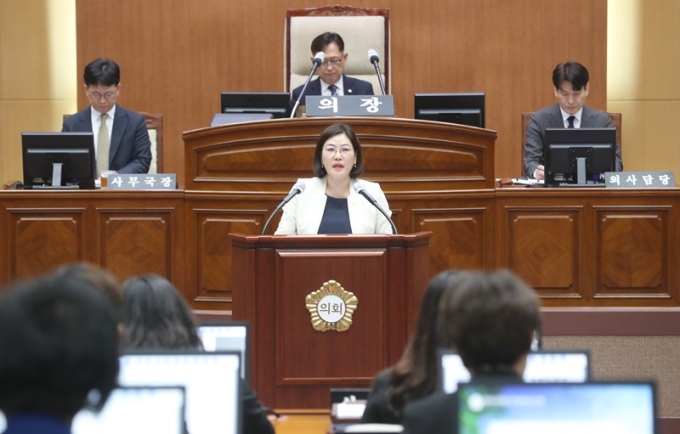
<point x="331" y="307"/>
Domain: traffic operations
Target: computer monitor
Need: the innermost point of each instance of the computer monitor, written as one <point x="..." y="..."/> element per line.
<point x="274" y="103"/>
<point x="227" y="336"/>
<point x="559" y="408"/>
<point x="578" y="156"/>
<point x="58" y="160"/>
<point x="456" y="108"/>
<point x="542" y="366"/>
<point x="136" y="410"/>
<point x="212" y="382"/>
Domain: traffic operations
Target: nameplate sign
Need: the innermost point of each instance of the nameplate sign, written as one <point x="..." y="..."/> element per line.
<point x="354" y="105"/>
<point x="143" y="181"/>
<point x="639" y="179"/>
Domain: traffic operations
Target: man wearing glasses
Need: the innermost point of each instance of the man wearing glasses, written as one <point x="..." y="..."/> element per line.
<point x="570" y="80"/>
<point x="121" y="139"/>
<point x="331" y="79"/>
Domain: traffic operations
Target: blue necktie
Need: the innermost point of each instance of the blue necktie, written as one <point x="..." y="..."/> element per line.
<point x="570" y="119"/>
<point x="334" y="89"/>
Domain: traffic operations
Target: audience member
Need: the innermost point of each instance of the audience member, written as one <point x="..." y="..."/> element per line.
<point x="58" y="353"/>
<point x="490" y="320"/>
<point x="332" y="81"/>
<point x="414" y="376"/>
<point x="121" y="138"/>
<point x="156" y="316"/>
<point x="571" y="86"/>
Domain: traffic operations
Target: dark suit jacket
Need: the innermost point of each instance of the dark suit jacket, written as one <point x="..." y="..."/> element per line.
<point x="551" y="117"/>
<point x="438" y="413"/>
<point x="350" y="86"/>
<point x="377" y="405"/>
<point x="130" y="150"/>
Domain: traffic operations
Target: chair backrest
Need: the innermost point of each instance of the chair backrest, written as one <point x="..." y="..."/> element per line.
<point x="616" y="120"/>
<point x="360" y="28"/>
<point x="154" y="123"/>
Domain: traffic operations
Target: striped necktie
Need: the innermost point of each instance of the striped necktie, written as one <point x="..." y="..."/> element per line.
<point x="334" y="89"/>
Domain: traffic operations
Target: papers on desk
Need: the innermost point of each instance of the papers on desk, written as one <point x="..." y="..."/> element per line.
<point x="526" y="181"/>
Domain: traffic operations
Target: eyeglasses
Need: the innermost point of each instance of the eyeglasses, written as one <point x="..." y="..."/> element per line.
<point x="333" y="62"/>
<point x="344" y="150"/>
<point x="97" y="95"/>
<point x="566" y="93"/>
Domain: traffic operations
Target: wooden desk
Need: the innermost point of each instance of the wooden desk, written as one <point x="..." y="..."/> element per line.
<point x="577" y="247"/>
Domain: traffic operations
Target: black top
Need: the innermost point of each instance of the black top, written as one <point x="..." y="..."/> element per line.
<point x="377" y="404"/>
<point x="438" y="413"/>
<point x="335" y="218"/>
<point x="254" y="414"/>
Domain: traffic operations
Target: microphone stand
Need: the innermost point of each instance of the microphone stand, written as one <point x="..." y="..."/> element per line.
<point x="297" y="103"/>
<point x="380" y="80"/>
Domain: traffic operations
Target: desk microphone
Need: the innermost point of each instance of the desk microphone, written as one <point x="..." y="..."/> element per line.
<point x="374" y="59"/>
<point x="318" y="60"/>
<point x="298" y="188"/>
<point x="361" y="189"/>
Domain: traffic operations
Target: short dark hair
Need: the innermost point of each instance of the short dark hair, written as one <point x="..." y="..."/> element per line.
<point x="325" y="39"/>
<point x="490" y="319"/>
<point x="58" y="347"/>
<point x="573" y="72"/>
<point x="332" y="131"/>
<point x="104" y="72"/>
<point x="156" y="316"/>
<point x="98" y="278"/>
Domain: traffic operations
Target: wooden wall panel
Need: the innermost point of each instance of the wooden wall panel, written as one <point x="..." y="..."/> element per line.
<point x="177" y="56"/>
<point x="43" y="239"/>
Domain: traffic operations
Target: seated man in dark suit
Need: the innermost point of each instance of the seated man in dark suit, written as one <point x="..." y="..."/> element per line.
<point x="122" y="137"/>
<point x="58" y="353"/>
<point x="489" y="319"/>
<point x="331" y="79"/>
<point x="571" y="82"/>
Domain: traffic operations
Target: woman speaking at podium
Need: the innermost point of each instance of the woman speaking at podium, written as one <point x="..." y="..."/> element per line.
<point x="335" y="201"/>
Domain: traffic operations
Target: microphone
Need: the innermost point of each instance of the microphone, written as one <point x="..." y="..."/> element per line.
<point x="318" y="60"/>
<point x="361" y="189"/>
<point x="298" y="188"/>
<point x="374" y="59"/>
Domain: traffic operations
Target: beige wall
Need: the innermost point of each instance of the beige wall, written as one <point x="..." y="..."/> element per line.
<point x="643" y="59"/>
<point x="37" y="70"/>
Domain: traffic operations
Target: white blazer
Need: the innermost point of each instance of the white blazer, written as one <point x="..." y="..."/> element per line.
<point x="303" y="214"/>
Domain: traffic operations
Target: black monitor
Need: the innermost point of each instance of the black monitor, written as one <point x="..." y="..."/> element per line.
<point x="455" y="108"/>
<point x="58" y="160"/>
<point x="578" y="156"/>
<point x="274" y="103"/>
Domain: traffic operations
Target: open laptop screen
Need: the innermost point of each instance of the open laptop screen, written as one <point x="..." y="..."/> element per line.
<point x="136" y="410"/>
<point x="557" y="408"/>
<point x="227" y="336"/>
<point x="212" y="382"/>
<point x="542" y="366"/>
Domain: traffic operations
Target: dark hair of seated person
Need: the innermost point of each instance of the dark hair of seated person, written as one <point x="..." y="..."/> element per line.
<point x="97" y="277"/>
<point x="58" y="348"/>
<point x="415" y="374"/>
<point x="490" y="320"/>
<point x="157" y="316"/>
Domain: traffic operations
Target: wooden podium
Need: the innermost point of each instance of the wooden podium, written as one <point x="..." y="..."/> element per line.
<point x="292" y="364"/>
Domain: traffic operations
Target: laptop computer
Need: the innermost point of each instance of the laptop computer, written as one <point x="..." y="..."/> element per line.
<point x="557" y="408"/>
<point x="212" y="382"/>
<point x="542" y="366"/>
<point x="228" y="336"/>
<point x="136" y="410"/>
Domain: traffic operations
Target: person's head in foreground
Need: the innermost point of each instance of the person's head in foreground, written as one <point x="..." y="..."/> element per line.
<point x="156" y="316"/>
<point x="415" y="374"/>
<point x="490" y="320"/>
<point x="58" y="350"/>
